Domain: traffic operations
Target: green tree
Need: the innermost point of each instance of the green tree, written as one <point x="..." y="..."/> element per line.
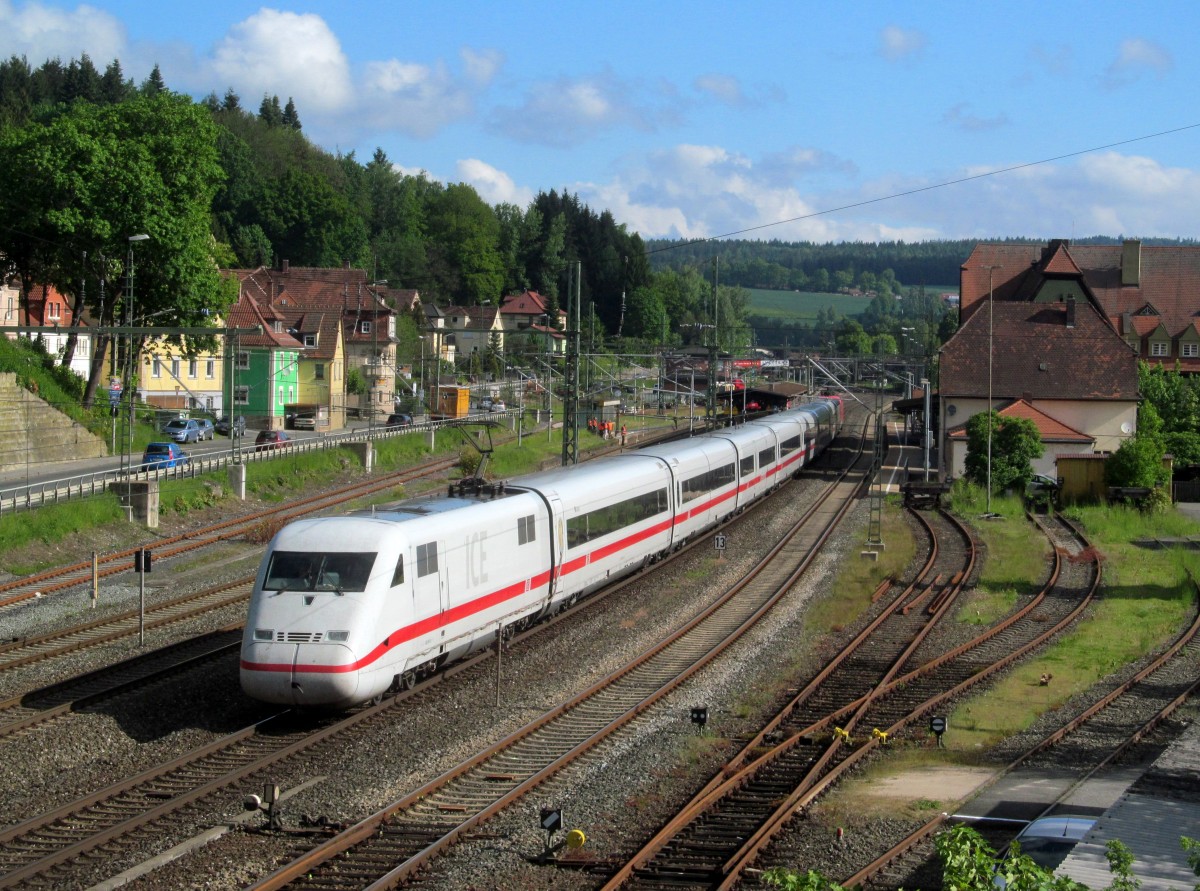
<point x="466" y="235"/>
<point x="81" y="183"/>
<point x="1138" y="462"/>
<point x="1015" y="442"/>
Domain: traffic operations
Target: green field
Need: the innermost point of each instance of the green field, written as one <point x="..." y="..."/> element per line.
<point x="803" y="305"/>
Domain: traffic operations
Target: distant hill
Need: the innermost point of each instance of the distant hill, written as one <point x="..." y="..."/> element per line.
<point x="811" y="267"/>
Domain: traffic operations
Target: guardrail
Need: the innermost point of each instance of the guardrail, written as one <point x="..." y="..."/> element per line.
<point x="30" y="495"/>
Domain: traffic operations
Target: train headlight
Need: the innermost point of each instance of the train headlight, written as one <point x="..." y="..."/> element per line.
<point x="264" y="634"/>
<point x="340" y="636"/>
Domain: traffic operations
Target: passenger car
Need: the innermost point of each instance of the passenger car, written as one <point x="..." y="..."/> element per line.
<point x="399" y="419"/>
<point x="498" y="406"/>
<point x="207" y="430"/>
<point x="304" y="422"/>
<point x="238" y="427"/>
<point x="184" y="430"/>
<point x="270" y="439"/>
<point x="485" y="404"/>
<point x="161" y="455"/>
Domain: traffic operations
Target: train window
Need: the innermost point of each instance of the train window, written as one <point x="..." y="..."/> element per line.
<point x="748" y="465"/>
<point x="427" y="562"/>
<point x="526" y="531"/>
<point x="315" y="571"/>
<point x="766" y="457"/>
<point x="706" y="482"/>
<point x="398" y="574"/>
<point x="594" y="524"/>
<point x="789" y="445"/>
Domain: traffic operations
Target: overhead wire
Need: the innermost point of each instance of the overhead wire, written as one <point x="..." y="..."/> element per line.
<point x="942" y="185"/>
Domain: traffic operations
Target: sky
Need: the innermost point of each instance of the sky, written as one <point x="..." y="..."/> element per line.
<point x="790" y="120"/>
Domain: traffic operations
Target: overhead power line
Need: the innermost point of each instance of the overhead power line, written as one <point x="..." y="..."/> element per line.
<point x="930" y="188"/>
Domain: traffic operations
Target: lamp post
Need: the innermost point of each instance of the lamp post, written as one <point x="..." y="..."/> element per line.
<point x="130" y="359"/>
<point x="990" y="270"/>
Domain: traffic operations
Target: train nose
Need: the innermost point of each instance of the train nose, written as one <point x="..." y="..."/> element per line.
<point x="300" y="674"/>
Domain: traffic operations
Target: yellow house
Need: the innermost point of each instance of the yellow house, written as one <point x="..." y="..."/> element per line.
<point x="322" y="383"/>
<point x="171" y="377"/>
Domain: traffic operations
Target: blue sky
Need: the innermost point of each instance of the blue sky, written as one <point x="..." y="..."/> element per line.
<point x="701" y="119"/>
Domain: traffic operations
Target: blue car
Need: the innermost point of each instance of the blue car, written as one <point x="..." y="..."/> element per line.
<point x="160" y="455"/>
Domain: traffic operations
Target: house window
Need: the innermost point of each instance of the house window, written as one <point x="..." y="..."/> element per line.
<point x="310" y="340"/>
<point x="175" y="369"/>
<point x="243" y="362"/>
<point x="241" y="395"/>
<point x="55" y="312"/>
<point x="1159" y="348"/>
<point x="1190" y="350"/>
<point x="319" y="371"/>
<point x="193" y="368"/>
<point x="156" y="368"/>
<point x="365" y="327"/>
<point x="277" y="326"/>
<point x="210" y="368"/>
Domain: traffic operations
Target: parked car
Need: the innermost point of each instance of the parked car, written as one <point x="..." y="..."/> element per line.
<point x="485" y="404"/>
<point x="1041" y="482"/>
<point x="304" y="422"/>
<point x="207" y="429"/>
<point x="184" y="430"/>
<point x="1048" y="840"/>
<point x="498" y="406"/>
<point x="160" y="455"/>
<point x="399" y="419"/>
<point x="270" y="439"/>
<point x="224" y="427"/>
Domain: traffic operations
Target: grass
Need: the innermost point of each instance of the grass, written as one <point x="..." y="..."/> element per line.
<point x="859" y="576"/>
<point x="802" y="305"/>
<point x="1147" y="597"/>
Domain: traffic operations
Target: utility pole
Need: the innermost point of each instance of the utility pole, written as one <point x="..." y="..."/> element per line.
<point x="711" y="408"/>
<point x="990" y="270"/>
<point x="570" y="443"/>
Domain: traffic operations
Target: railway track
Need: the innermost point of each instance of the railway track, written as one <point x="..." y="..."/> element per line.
<point x="395" y="843"/>
<point x="49" y="848"/>
<point x="809" y="744"/>
<point x="20" y="713"/>
<point x="1096" y="738"/>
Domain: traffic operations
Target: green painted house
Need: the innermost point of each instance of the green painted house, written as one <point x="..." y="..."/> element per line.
<point x="265" y="372"/>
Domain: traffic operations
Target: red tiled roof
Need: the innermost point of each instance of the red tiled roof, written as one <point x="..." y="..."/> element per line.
<point x="1166" y="277"/>
<point x="1036" y="356"/>
<point x="1051" y="429"/>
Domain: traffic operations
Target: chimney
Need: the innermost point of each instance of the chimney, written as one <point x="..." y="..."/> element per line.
<point x="1131" y="263"/>
<point x="1070" y="312"/>
<point x="283" y="266"/>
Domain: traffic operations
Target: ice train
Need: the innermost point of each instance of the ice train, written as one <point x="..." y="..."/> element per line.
<point x="347" y="608"/>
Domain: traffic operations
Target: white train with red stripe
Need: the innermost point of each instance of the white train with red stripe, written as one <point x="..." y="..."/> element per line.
<point x="347" y="608"/>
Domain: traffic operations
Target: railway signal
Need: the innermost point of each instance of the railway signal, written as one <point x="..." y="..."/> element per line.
<point x="937" y="726"/>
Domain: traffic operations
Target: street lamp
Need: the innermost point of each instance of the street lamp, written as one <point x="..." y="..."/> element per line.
<point x="130" y="367"/>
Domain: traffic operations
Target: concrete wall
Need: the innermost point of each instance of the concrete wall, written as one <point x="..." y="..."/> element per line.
<point x="33" y="432"/>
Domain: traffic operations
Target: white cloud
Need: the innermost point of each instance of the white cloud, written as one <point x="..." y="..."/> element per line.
<point x="41" y="32"/>
<point x="481" y="66"/>
<point x="567" y="112"/>
<point x="1135" y="57"/>
<point x="285" y="54"/>
<point x="494" y="186"/>
<point x="703" y="191"/>
<point x="961" y="117"/>
<point x="897" y="44"/>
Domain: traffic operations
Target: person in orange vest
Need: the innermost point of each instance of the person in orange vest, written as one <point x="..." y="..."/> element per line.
<point x="624" y="435"/>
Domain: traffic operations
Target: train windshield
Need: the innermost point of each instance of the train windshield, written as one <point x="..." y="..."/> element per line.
<point x="308" y="571"/>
